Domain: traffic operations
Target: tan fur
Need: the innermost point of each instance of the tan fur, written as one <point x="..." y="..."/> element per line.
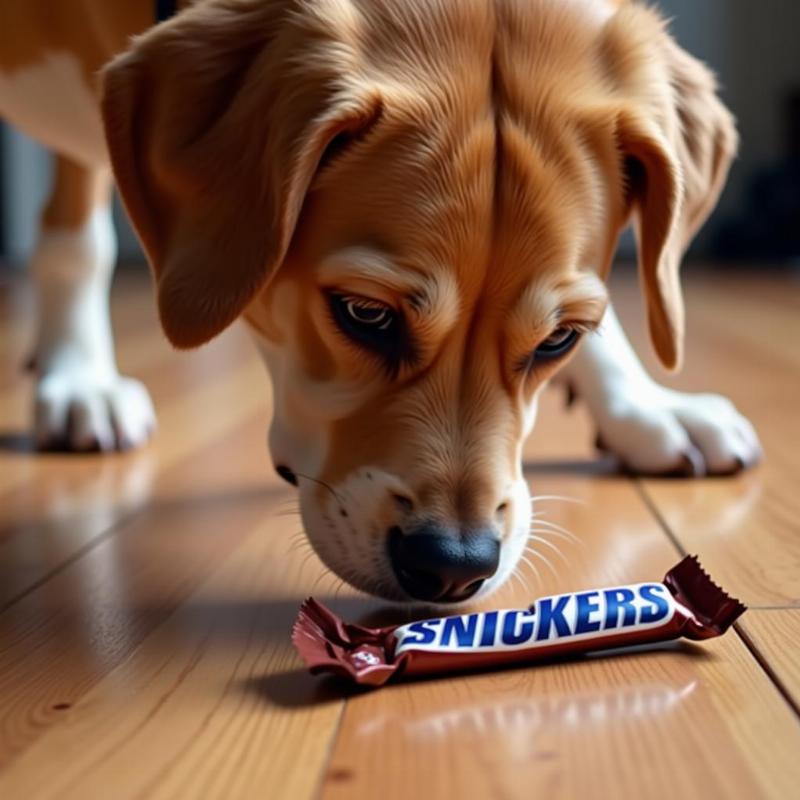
<point x="568" y="97"/>
<point x="490" y="151"/>
<point x="92" y="30"/>
<point x="489" y="145"/>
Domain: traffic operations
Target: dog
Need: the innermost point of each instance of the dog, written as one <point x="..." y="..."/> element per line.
<point x="413" y="205"/>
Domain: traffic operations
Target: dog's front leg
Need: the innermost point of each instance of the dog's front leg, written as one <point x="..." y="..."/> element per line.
<point x="651" y="428"/>
<point x="82" y="402"/>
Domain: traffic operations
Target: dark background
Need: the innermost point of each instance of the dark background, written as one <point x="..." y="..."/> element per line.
<point x="754" y="47"/>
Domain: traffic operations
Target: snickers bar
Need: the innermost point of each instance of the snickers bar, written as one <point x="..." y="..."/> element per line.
<point x="686" y="604"/>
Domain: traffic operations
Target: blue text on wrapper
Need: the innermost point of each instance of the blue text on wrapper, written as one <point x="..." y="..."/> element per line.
<point x="580" y="615"/>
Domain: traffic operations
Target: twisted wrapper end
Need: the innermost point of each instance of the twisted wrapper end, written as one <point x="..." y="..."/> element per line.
<point x="327" y="644"/>
<point x="714" y="610"/>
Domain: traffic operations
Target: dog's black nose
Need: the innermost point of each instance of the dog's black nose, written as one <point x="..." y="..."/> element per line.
<point x="439" y="567"/>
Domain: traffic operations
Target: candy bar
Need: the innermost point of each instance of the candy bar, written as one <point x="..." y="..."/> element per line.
<point x="687" y="604"/>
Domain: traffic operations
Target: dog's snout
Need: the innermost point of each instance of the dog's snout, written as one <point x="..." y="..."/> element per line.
<point x="435" y="566"/>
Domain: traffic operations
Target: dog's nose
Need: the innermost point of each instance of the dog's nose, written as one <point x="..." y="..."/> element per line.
<point x="437" y="567"/>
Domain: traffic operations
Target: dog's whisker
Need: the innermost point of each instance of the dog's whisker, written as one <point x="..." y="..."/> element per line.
<point x="564" y="498"/>
<point x="515" y="576"/>
<point x="548" y="532"/>
<point x="297" y="541"/>
<point x="299" y="545"/>
<point x="524" y="582"/>
<point x="537" y="554"/>
<point x="542" y="557"/>
<point x="340" y="584"/>
<point x="533" y="549"/>
<point x="556" y="529"/>
<point x="334" y="581"/>
<point x="508" y="583"/>
<point x="324" y="485"/>
<point x="323" y="574"/>
<point x="557" y="534"/>
<point x="550" y="545"/>
<point x="533" y="567"/>
<point x="306" y="559"/>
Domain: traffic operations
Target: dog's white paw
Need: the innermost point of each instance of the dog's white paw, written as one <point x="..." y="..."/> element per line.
<point x="655" y="430"/>
<point x="80" y="411"/>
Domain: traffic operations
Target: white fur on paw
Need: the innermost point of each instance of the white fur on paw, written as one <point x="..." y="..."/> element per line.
<point x="662" y="431"/>
<point x="76" y="412"/>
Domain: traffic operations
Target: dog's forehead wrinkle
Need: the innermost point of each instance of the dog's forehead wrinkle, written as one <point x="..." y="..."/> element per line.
<point x="528" y="167"/>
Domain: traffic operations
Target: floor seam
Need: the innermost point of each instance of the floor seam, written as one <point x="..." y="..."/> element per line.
<point x="654" y="510"/>
<point x="767" y="667"/>
<point x="326" y="762"/>
<point x="743" y="637"/>
<point x="68" y="562"/>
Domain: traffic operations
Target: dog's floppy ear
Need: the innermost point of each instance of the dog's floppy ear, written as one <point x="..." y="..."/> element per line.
<point x="677" y="141"/>
<point x="216" y="123"/>
<point x="654" y="191"/>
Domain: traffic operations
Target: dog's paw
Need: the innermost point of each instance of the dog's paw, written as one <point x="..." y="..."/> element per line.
<point x="659" y="431"/>
<point x="75" y="411"/>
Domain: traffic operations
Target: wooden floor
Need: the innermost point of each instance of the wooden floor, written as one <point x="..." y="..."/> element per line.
<point x="146" y="600"/>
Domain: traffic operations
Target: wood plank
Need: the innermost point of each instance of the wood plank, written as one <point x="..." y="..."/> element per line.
<point x="774" y="634"/>
<point x="741" y="343"/>
<point x="52" y="506"/>
<point x="211" y="704"/>
<point x="58" y="640"/>
<point x="655" y="724"/>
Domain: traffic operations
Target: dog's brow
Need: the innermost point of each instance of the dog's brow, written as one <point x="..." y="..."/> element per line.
<point x="363" y="264"/>
<point x="585" y="297"/>
<point x="433" y="296"/>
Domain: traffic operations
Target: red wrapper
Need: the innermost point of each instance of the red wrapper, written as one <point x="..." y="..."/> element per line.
<point x="686" y="604"/>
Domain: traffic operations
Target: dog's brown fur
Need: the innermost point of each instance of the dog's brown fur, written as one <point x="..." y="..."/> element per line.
<point x="502" y="144"/>
<point x="469" y="162"/>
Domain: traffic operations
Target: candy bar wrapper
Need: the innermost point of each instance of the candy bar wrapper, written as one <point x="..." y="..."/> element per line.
<point x="687" y="604"/>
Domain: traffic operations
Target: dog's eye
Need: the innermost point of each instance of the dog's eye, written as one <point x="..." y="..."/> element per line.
<point x="369" y="322"/>
<point x="368" y="313"/>
<point x="559" y="342"/>
<point x="376" y="327"/>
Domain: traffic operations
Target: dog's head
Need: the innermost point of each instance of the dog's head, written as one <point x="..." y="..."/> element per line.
<point x="414" y="206"/>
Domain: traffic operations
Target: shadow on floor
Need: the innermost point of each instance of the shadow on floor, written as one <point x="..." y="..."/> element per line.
<point x="16" y="442"/>
<point x="297" y="688"/>
<point x="604" y="466"/>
